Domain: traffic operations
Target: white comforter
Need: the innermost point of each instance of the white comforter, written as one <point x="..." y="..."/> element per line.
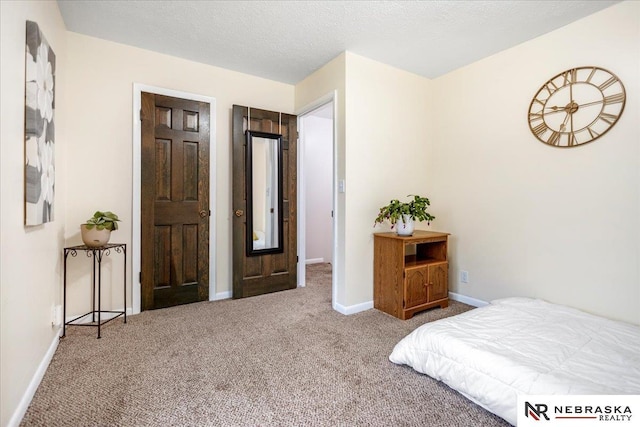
<point x="524" y="346"/>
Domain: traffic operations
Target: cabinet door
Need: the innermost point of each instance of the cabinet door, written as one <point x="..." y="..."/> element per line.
<point x="437" y="281"/>
<point x="415" y="286"/>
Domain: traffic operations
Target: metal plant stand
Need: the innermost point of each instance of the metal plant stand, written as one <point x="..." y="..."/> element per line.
<point x="96" y="255"/>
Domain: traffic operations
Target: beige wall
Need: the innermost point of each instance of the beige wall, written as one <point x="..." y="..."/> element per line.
<point x="532" y="220"/>
<point x="30" y="257"/>
<point x="387" y="144"/>
<point x="379" y="109"/>
<point x="100" y="101"/>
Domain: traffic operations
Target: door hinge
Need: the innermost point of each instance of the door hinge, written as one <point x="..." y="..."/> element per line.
<point x="140" y="277"/>
<point x="141" y="114"/>
<point x="297" y="258"/>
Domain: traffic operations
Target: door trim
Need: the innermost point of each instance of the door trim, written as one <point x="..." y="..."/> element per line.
<point x="138" y="88"/>
<point x="323" y="100"/>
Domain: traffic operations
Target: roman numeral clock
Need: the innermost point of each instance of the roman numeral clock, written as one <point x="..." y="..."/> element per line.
<point x="576" y="107"/>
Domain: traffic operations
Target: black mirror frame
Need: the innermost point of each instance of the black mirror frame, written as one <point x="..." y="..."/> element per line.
<point x="249" y="195"/>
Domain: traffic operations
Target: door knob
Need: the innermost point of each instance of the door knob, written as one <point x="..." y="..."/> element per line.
<point x="239" y="212"/>
<point x="203" y="214"/>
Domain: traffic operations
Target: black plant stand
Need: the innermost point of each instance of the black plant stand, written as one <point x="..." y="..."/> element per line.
<point x="96" y="255"/>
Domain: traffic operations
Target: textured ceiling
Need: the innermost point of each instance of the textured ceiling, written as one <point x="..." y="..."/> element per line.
<point x="288" y="40"/>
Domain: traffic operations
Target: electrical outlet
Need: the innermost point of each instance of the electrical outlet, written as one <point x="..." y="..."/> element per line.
<point x="56" y="315"/>
<point x="464" y="276"/>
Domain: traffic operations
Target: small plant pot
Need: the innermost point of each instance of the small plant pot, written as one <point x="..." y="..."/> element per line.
<point x="94" y="238"/>
<point x="404" y="228"/>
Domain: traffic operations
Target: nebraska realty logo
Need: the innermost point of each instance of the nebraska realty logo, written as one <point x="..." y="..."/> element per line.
<point x="576" y="410"/>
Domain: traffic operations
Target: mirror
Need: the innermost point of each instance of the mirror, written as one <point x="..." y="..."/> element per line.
<point x="264" y="193"/>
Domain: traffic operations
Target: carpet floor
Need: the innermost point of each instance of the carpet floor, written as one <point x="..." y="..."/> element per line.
<point x="282" y="359"/>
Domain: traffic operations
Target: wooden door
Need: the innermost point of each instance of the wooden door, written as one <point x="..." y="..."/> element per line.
<point x="261" y="274"/>
<point x="175" y="201"/>
<point x="438" y="281"/>
<point x="415" y="286"/>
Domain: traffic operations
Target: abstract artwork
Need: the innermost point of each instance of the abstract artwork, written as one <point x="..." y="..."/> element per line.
<point x="39" y="129"/>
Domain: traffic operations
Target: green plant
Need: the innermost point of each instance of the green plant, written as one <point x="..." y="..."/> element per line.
<point x="395" y="210"/>
<point x="101" y="220"/>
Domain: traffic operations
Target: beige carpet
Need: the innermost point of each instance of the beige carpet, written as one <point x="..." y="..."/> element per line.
<point x="283" y="359"/>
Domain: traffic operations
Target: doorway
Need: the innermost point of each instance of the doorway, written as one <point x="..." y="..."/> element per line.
<point x="317" y="188"/>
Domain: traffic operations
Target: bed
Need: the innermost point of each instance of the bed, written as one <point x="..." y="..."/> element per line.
<point x="524" y="346"/>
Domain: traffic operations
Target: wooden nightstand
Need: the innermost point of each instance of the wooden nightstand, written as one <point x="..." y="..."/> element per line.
<point x="410" y="273"/>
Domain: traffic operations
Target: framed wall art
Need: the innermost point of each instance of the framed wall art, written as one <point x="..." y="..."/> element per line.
<point x="39" y="127"/>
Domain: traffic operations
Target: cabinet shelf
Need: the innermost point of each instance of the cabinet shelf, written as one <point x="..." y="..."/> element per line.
<point x="411" y="261"/>
<point x="410" y="273"/>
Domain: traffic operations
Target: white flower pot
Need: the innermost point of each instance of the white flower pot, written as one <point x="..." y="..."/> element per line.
<point x="404" y="228"/>
<point x="94" y="238"/>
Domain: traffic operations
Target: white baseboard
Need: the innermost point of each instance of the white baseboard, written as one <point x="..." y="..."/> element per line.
<point x="18" y="414"/>
<point x="221" y="295"/>
<point x="467" y="300"/>
<point x="352" y="309"/>
<point x="314" y="261"/>
<point x="357" y="308"/>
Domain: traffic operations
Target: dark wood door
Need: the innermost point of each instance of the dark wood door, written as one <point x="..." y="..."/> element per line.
<point x="175" y="201"/>
<point x="261" y="274"/>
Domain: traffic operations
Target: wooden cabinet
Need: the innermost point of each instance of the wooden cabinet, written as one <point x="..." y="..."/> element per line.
<point x="410" y="273"/>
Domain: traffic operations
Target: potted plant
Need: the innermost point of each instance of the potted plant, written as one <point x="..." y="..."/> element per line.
<point x="97" y="230"/>
<point x="406" y="212"/>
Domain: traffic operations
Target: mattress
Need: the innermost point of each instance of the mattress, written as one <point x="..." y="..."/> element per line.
<point x="525" y="346"/>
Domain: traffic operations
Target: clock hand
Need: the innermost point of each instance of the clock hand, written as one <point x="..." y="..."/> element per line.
<point x="591" y="103"/>
<point x="563" y="126"/>
<point x="554" y="110"/>
<point x="558" y="109"/>
<point x="571" y="97"/>
<point x="573" y="105"/>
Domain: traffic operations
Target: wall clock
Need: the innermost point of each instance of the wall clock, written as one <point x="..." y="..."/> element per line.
<point x="576" y="107"/>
